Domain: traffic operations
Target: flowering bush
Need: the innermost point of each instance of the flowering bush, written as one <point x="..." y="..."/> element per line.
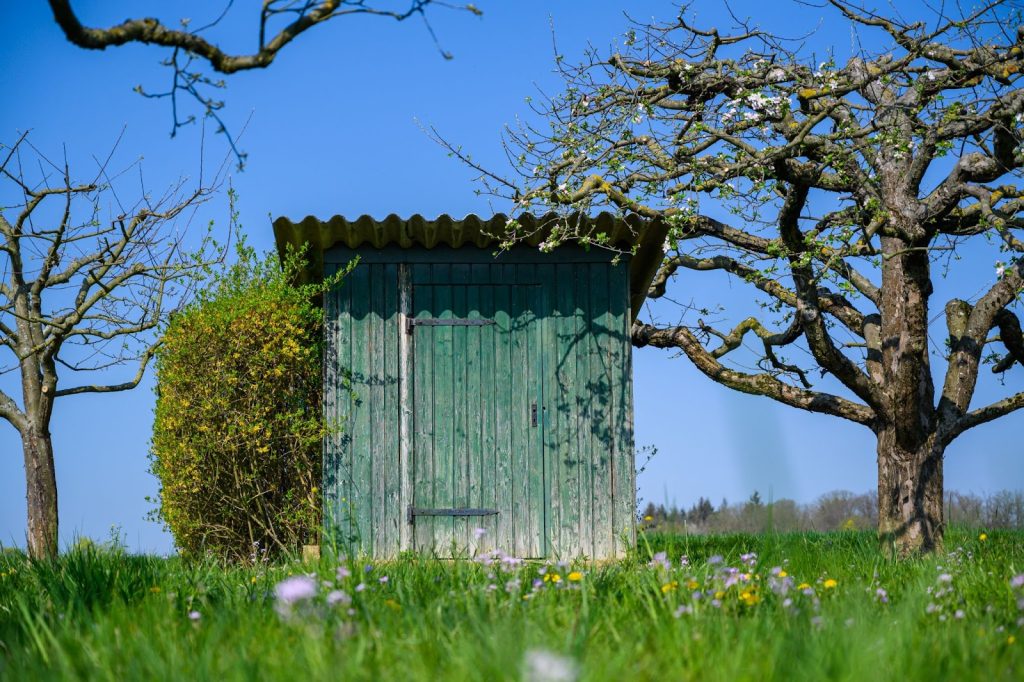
<point x="236" y="439"/>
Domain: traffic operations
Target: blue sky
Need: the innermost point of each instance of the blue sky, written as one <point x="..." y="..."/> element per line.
<point x="334" y="126"/>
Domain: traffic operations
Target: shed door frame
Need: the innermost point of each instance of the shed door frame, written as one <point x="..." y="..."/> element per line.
<point x="406" y="378"/>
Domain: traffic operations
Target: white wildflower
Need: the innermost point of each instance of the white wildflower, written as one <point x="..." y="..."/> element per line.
<point x="546" y="666"/>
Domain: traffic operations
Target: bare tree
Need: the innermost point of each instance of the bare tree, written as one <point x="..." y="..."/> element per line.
<point x="277" y="24"/>
<point x="84" y="288"/>
<point x="847" y="183"/>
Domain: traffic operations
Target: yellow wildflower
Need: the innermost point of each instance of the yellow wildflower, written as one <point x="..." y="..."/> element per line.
<point x="783" y="574"/>
<point x="692" y="584"/>
<point x="1011" y="639"/>
<point x="393" y="605"/>
<point x="749" y="597"/>
<point x="669" y="587"/>
<point x="155" y="589"/>
<point x="983" y="537"/>
<point x="802" y="586"/>
<point x="829" y="584"/>
<point x="253" y="580"/>
<point x="575" y="577"/>
<point x="648" y="518"/>
<point x="552" y="578"/>
<point x="719" y="594"/>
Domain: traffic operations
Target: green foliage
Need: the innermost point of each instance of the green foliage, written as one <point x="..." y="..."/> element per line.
<point x="96" y="614"/>
<point x="236" y="439"/>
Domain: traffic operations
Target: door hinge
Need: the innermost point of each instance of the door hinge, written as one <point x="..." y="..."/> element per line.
<point x="411" y="322"/>
<point x="412" y="512"/>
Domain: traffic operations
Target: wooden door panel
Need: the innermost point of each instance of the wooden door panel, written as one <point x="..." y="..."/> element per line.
<point x="477" y="372"/>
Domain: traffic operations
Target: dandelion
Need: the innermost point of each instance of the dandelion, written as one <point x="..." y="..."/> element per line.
<point x="749" y="597"/>
<point x="803" y="586"/>
<point x="669" y="587"/>
<point x="1011" y="639"/>
<point x="983" y="537"/>
<point x="649" y="517"/>
<point x="575" y="577"/>
<point x="154" y="590"/>
<point x="830" y="584"/>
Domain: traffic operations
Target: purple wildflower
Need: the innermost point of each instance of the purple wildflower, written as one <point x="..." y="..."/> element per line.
<point x="338" y="597"/>
<point x="1017" y="580"/>
<point x="295" y="589"/>
<point x="660" y="560"/>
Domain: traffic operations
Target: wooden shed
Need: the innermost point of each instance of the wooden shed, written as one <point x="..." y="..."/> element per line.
<point x="479" y="400"/>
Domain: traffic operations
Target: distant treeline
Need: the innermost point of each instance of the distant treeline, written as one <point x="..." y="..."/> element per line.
<point x="837" y="510"/>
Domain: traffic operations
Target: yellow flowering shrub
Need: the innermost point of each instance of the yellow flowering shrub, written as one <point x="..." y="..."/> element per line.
<point x="238" y="428"/>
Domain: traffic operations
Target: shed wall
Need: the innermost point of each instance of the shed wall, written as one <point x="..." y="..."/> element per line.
<point x="582" y="491"/>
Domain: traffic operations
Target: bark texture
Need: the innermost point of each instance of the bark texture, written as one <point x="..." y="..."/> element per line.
<point x="909" y="496"/>
<point x="41" y="493"/>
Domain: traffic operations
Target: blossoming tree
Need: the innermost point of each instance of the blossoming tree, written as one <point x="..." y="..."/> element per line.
<point x="847" y="182"/>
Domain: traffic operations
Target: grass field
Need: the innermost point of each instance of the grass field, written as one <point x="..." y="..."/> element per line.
<point x="786" y="607"/>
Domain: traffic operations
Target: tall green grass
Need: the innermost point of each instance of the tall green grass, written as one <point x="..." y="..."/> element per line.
<point x="99" y="613"/>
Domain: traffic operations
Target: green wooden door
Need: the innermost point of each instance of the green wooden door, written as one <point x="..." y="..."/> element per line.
<point x="478" y="417"/>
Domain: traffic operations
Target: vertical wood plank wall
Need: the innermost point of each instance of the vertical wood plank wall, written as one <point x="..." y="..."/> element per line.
<point x="585" y="494"/>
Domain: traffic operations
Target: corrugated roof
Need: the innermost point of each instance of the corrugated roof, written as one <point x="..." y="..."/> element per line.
<point x="417" y="231"/>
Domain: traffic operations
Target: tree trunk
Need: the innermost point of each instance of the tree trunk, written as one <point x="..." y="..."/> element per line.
<point x="909" y="496"/>
<point x="41" y="492"/>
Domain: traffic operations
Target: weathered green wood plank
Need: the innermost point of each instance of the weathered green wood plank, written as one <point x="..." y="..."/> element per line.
<point x="486" y="468"/>
<point x="444" y="412"/>
<point x="586" y="411"/>
<point x="550" y="525"/>
<point x="603" y="434"/>
<point x="539" y="503"/>
<point x="566" y="453"/>
<point x="391" y="472"/>
<point x="623" y="471"/>
<point x="362" y="427"/>
<point x="461" y="372"/>
<point x="377" y="409"/>
<point x="332" y="447"/>
<point x="503" y="418"/>
<point x="423" y="414"/>
<point x="473" y="416"/>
